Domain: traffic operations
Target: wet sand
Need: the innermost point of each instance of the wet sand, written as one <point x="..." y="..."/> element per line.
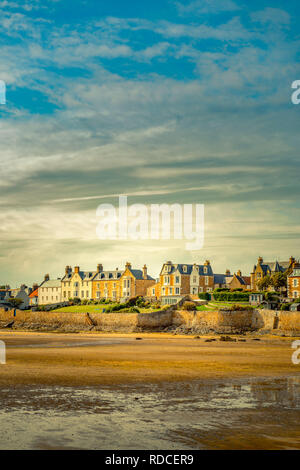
<point x="92" y="359"/>
<point x="111" y="391"/>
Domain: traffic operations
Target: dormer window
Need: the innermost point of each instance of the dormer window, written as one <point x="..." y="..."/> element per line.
<point x="205" y="269"/>
<point x="184" y="269"/>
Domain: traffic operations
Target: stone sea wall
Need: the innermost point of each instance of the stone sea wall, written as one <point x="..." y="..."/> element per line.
<point x="218" y="321"/>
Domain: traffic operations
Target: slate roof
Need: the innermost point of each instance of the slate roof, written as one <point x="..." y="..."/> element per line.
<point x="189" y="269"/>
<point x="51" y="283"/>
<point x="274" y="266"/>
<point x="138" y="274"/>
<point x="116" y="274"/>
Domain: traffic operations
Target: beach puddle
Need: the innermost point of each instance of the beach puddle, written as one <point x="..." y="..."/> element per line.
<point x="237" y="414"/>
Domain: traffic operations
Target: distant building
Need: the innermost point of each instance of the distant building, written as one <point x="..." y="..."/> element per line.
<point x="239" y="282"/>
<point x="178" y="280"/>
<point x="267" y="268"/>
<point x="294" y="282"/>
<point x="106" y="284"/>
<point x="49" y="292"/>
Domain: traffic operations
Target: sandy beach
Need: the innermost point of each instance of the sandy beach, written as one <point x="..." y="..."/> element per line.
<point x="114" y="391"/>
<point x="91" y="359"/>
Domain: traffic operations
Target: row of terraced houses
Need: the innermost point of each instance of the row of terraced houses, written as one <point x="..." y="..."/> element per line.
<point x="175" y="281"/>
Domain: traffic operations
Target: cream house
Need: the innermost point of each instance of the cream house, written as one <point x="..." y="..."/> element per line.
<point x="49" y="292"/>
<point x="77" y="284"/>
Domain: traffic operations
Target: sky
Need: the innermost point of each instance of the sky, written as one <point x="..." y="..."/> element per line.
<point x="164" y="101"/>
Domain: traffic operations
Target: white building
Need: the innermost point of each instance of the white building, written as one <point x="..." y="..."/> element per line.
<point x="49" y="291"/>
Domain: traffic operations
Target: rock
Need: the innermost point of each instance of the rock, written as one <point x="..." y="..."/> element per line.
<point x="138" y="339"/>
<point x="227" y="338"/>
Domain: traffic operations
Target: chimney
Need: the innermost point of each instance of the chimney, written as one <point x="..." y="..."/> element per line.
<point x="292" y="260"/>
<point x="35" y="286"/>
<point x="239" y="273"/>
<point x="128" y="265"/>
<point x="227" y="272"/>
<point x="145" y="272"/>
<point x="99" y="268"/>
<point x="46" y="277"/>
<point x="260" y="260"/>
<point x="76" y="269"/>
<point x="207" y="263"/>
<point x="68" y="269"/>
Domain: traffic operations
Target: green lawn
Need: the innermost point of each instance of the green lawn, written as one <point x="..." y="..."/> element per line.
<point x="95" y="309"/>
<point x="83" y="308"/>
<point x="215" y="305"/>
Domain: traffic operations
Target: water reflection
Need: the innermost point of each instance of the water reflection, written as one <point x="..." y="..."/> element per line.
<point x="169" y="415"/>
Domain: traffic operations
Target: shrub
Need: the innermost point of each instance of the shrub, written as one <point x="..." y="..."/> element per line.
<point x="204" y="296"/>
<point x="285" y="306"/>
<point x="134" y="310"/>
<point x="231" y="296"/>
<point x="189" y="306"/>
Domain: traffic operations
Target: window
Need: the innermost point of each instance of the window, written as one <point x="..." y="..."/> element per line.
<point x="167" y="280"/>
<point x="177" y="280"/>
<point x="295" y="295"/>
<point x="171" y="290"/>
<point x="206" y="280"/>
<point x="98" y="295"/>
<point x="205" y="269"/>
<point x="194" y="280"/>
<point x="82" y="293"/>
<point x="153" y="291"/>
<point x="295" y="282"/>
<point x="87" y="294"/>
<point x="177" y="290"/>
<point x="184" y="269"/>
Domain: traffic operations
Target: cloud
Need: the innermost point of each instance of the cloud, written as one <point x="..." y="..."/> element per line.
<point x="207" y="6"/>
<point x="273" y="16"/>
<point x="223" y="133"/>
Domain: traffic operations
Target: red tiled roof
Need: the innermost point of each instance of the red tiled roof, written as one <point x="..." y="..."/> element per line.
<point x="34" y="293"/>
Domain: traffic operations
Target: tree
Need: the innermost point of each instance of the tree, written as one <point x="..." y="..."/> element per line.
<point x="278" y="280"/>
<point x="15" y="302"/>
<point x="264" y="283"/>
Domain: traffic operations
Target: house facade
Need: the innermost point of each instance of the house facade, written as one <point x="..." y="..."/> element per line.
<point x="177" y="280"/>
<point x="49" y="292"/>
<point x="77" y="284"/>
<point x="264" y="268"/>
<point x="134" y="282"/>
<point x="106" y="284"/>
<point x="237" y="281"/>
<point x="294" y="282"/>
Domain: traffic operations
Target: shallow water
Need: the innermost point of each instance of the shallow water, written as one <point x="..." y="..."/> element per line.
<point x="257" y="413"/>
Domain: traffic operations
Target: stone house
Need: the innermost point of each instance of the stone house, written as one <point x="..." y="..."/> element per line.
<point x="106" y="284"/>
<point x="293" y="281"/>
<point x="178" y="280"/>
<point x="134" y="282"/>
<point x="262" y="269"/>
<point x="238" y="281"/>
<point x="77" y="284"/>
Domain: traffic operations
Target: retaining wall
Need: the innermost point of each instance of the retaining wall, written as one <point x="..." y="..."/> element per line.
<point x="197" y="321"/>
